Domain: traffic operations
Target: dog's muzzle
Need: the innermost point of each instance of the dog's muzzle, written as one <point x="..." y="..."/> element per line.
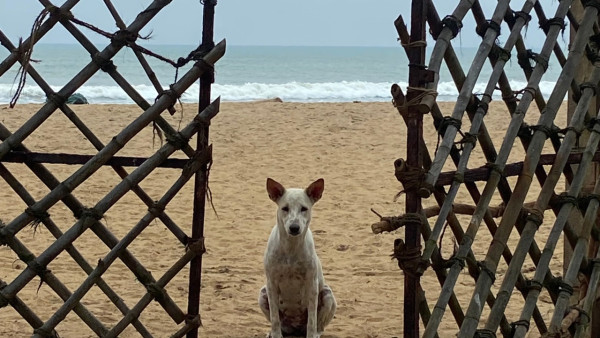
<point x="295" y="229"/>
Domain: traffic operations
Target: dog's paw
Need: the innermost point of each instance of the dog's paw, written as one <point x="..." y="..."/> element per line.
<point x="272" y="335"/>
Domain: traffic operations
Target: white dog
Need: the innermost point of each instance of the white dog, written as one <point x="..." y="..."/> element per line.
<point x="295" y="300"/>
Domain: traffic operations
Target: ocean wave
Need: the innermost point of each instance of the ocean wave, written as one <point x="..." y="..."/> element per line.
<point x="344" y="91"/>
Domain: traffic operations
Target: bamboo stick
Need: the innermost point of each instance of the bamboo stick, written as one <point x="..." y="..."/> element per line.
<point x="511" y="169"/>
<point x="464" y="97"/>
<point x="471" y="263"/>
<point x="416" y="58"/>
<point x="487" y="147"/>
<point x="485" y="141"/>
<point x="25" y="312"/>
<point x="467" y="209"/>
<point x="114" y="145"/>
<point x="397" y="92"/>
<point x="190" y="325"/>
<point x="590" y="298"/>
<point x="495" y="177"/>
<point x="201" y="178"/>
<point x="99" y="145"/>
<point x="85" y="74"/>
<point x="141" y="58"/>
<point x="533" y="153"/>
<point x="451" y="131"/>
<point x="61" y="158"/>
<point x="98" y="228"/>
<point x="120" y="80"/>
<point x="441" y="44"/>
<point x="455" y="226"/>
<point x="115" y="252"/>
<point x="15" y="55"/>
<point x="560" y="56"/>
<point x="161" y="283"/>
<point x="71" y="250"/>
<point x="579" y="252"/>
<point x="104" y="204"/>
<point x="47" y="276"/>
<point x="545" y="194"/>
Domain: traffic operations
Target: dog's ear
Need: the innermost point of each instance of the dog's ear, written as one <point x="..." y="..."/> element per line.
<point x="275" y="189"/>
<point x="315" y="190"/>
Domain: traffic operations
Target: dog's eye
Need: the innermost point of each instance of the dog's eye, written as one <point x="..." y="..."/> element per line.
<point x="286" y="209"/>
<point x="303" y="209"/>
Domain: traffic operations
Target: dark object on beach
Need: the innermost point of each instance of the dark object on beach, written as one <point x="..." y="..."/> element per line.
<point x="77" y="99"/>
<point x="274" y="99"/>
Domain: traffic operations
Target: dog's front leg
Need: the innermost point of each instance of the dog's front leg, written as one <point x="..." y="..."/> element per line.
<point x="273" y="295"/>
<point x="313" y="303"/>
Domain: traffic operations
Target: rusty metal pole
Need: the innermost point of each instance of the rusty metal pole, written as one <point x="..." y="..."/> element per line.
<point x="416" y="59"/>
<point x="201" y="178"/>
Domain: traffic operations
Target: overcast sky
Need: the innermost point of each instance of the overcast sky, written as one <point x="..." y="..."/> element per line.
<point x="258" y="22"/>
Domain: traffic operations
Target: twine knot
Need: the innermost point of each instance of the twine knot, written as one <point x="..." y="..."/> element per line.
<point x="37" y="215"/>
<point x="123" y="37"/>
<point x="489" y="24"/>
<point x="409" y="259"/>
<point x="521" y="322"/>
<point x="176" y="140"/>
<point x="453" y="24"/>
<point x="545" y="25"/>
<point x="484" y="333"/>
<point x="535" y="216"/>
<point x="411" y="177"/>
<point x="525" y="57"/>
<point x="484" y="268"/>
<point x="88" y="213"/>
<point x="196" y="245"/>
<point x="500" y="53"/>
<point x="156" y="209"/>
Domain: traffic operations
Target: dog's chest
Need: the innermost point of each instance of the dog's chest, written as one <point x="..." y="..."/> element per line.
<point x="292" y="278"/>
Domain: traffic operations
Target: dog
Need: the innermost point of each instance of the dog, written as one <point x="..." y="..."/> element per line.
<point x="295" y="299"/>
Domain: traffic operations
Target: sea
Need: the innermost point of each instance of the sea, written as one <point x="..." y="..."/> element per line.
<point x="248" y="73"/>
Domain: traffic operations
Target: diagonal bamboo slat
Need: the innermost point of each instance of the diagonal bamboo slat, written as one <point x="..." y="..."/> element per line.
<point x="44" y="259"/>
<point x="75" y="254"/>
<point x="546" y="193"/>
<point x="495" y="175"/>
<point x="105" y="203"/>
<point x="575" y="54"/>
<point x="515" y="212"/>
<point x="13" y="150"/>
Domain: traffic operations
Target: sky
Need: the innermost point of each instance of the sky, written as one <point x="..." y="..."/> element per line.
<point x="258" y="22"/>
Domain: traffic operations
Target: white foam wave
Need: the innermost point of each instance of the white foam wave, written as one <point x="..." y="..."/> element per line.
<point x="344" y="91"/>
<point x="307" y="92"/>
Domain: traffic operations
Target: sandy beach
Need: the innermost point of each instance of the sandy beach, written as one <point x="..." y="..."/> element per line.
<point x="351" y="145"/>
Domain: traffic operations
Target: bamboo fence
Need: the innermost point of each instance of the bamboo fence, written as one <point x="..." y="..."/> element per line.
<point x="12" y="149"/>
<point x="575" y="210"/>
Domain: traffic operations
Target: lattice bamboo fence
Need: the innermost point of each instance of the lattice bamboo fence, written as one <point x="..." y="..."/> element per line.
<point x="531" y="192"/>
<point x="89" y="214"/>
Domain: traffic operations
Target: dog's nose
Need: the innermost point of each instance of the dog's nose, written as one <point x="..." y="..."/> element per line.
<point x="294" y="229"/>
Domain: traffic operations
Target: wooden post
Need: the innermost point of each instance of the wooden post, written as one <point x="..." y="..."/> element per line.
<point x="414" y="158"/>
<point x="581" y="76"/>
<point x="201" y="179"/>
